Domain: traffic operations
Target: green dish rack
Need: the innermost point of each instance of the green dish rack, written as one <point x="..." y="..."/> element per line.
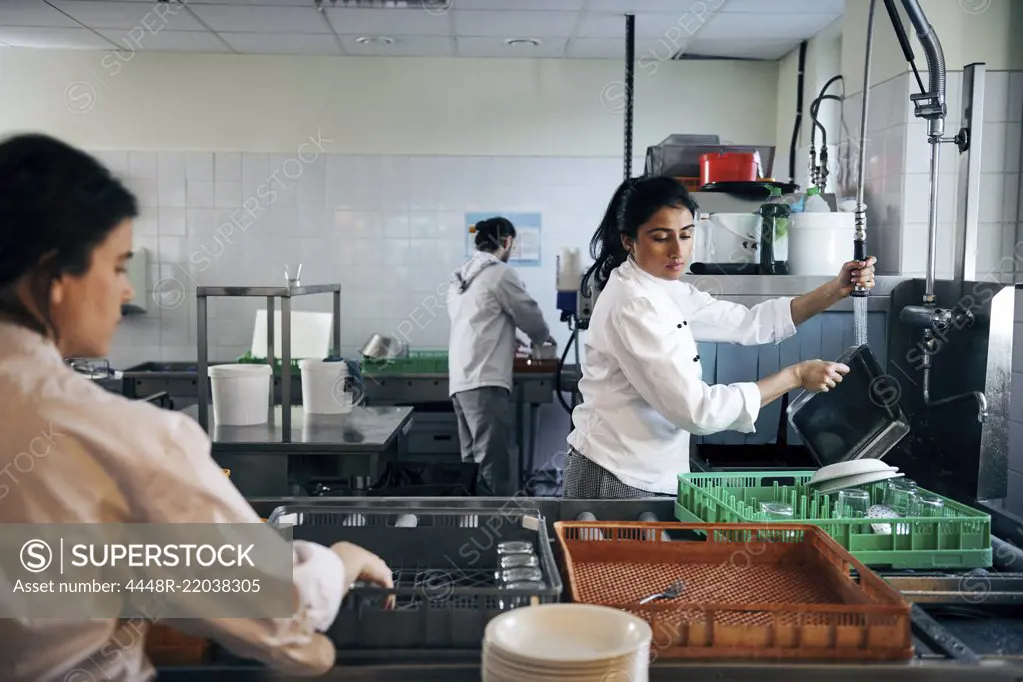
<point x="416" y="362"/>
<point x="959" y="539"/>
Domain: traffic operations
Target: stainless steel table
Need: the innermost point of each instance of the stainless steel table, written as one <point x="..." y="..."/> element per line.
<point x="334" y="445"/>
<point x="530" y="390"/>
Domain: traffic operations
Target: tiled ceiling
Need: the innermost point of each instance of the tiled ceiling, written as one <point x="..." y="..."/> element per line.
<point x="573" y="29"/>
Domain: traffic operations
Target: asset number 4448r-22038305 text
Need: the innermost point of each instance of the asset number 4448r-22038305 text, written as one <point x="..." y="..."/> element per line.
<point x="190" y="585"/>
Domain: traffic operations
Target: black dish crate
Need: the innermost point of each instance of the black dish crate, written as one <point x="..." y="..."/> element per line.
<point x="445" y="590"/>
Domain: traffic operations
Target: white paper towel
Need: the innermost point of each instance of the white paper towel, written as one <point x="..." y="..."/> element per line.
<point x="310" y="335"/>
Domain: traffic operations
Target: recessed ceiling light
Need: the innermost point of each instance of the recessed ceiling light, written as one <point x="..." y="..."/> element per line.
<point x="374" y="40"/>
<point x="514" y="42"/>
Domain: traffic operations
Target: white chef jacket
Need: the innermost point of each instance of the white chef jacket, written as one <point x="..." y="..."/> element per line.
<point x="72" y="452"/>
<point x="642" y="379"/>
<point x="486" y="303"/>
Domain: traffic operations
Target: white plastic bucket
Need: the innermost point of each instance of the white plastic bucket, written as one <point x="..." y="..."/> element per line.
<point x="323" y="387"/>
<point x="820" y="243"/>
<point x="735" y="238"/>
<point x="241" y="394"/>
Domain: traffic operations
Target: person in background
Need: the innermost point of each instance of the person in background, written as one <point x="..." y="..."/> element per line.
<point x="642" y="381"/>
<point x="65" y="239"/>
<point x="487" y="302"/>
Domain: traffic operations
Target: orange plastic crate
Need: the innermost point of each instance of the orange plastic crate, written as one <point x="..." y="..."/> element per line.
<point x="777" y="591"/>
<point x="167" y="646"/>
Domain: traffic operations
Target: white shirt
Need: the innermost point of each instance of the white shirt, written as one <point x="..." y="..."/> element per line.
<point x="72" y="452"/>
<point x="642" y="380"/>
<point x="486" y="303"/>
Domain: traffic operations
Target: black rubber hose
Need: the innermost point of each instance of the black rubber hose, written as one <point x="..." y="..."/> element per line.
<point x="814" y="108"/>
<point x="561" y="367"/>
<point x="800" y="86"/>
<point x="630" y="55"/>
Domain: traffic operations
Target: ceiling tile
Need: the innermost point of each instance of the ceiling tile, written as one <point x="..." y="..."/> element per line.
<point x="385" y="22"/>
<point x="741" y="49"/>
<point x="751" y="26"/>
<point x="33" y="13"/>
<point x="550" y="48"/>
<point x="530" y="5"/>
<point x="410" y="46"/>
<point x="281" y="43"/>
<point x="666" y="6"/>
<point x="833" y="7"/>
<point x="514" y="24"/>
<point x="262" y="19"/>
<point x="674" y="26"/>
<point x="61" y="38"/>
<point x="604" y="48"/>
<point x="145" y="17"/>
<point x="168" y="41"/>
<point x="272" y="3"/>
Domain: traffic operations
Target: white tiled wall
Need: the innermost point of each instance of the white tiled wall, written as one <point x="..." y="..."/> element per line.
<point x="389" y="229"/>
<point x="897" y="176"/>
<point x="884" y="166"/>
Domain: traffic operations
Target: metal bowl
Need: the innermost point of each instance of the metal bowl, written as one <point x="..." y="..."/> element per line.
<point x="383" y="347"/>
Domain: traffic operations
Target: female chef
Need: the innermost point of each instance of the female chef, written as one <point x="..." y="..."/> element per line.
<point x="65" y="237"/>
<point x="642" y="387"/>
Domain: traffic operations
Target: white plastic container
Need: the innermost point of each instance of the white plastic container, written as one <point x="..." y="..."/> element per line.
<point x="820" y="243"/>
<point x="735" y="238"/>
<point x="323" y="387"/>
<point x="569" y="274"/>
<point x="241" y="394"/>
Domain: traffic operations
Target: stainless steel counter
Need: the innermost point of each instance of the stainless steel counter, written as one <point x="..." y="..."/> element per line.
<point x="753" y="289"/>
<point x="366" y="430"/>
<point x="992" y="652"/>
<point x="660" y="671"/>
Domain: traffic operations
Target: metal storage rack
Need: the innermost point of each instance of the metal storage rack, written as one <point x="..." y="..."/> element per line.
<point x="285" y="293"/>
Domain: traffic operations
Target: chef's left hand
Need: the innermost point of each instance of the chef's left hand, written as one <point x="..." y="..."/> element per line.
<point x="855" y="272"/>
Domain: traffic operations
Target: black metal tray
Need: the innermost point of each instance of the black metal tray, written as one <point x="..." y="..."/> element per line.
<point x="860" y="418"/>
<point x="444" y="584"/>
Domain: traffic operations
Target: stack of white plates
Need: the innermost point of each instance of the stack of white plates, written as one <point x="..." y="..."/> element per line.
<point x="566" y="642"/>
<point x="850" y="474"/>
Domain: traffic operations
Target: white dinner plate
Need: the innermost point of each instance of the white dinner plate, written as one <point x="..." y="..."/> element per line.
<point x="836" y="484"/>
<point x="568" y="633"/>
<point x="851" y="468"/>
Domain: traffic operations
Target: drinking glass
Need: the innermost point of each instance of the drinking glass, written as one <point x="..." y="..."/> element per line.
<point x="778" y="511"/>
<point x="853" y="503"/>
<point x="900" y="495"/>
<point x="930" y="505"/>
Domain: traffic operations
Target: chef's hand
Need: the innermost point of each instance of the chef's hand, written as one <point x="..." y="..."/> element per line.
<point x="855" y="272"/>
<point x="361" y="564"/>
<point x="819" y="376"/>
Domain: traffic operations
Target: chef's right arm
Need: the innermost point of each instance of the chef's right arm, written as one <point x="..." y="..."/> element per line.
<point x="524" y="311"/>
<point x="653" y="361"/>
<point x="185" y="485"/>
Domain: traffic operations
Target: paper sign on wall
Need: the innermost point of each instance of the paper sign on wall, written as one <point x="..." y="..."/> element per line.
<point x="526" y="249"/>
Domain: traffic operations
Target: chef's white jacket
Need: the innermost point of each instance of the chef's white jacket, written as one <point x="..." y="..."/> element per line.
<point x="486" y="303"/>
<point x="642" y="379"/>
<point x="72" y="452"/>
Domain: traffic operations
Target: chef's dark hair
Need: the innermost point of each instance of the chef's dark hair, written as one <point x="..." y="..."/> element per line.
<point x="490" y="233"/>
<point x="634" y="202"/>
<point x="57" y="204"/>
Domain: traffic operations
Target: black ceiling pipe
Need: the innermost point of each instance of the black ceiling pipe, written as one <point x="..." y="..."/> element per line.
<point x="630" y="54"/>
<point x="799" y="111"/>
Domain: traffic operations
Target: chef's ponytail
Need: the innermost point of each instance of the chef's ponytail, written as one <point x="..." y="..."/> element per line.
<point x="634" y="202"/>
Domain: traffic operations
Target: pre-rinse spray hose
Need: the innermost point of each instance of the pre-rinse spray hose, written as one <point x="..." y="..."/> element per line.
<point x="860" y="238"/>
